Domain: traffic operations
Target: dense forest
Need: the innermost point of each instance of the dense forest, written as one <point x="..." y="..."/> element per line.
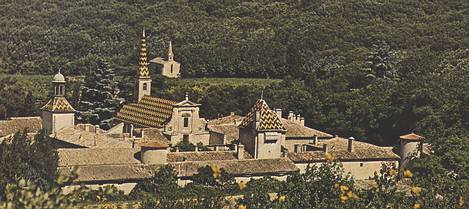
<point x="216" y="38"/>
<point x="369" y="69"/>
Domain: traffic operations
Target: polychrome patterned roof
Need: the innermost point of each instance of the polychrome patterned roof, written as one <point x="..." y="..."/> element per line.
<point x="149" y="112"/>
<point x="58" y="104"/>
<point x="143" y="69"/>
<point x="268" y="118"/>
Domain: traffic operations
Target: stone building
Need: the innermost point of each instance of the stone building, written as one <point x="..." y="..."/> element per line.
<point x="261" y="143"/>
<point x="169" y="67"/>
<point x="262" y="132"/>
<point x="178" y="121"/>
<point x="57" y="113"/>
<point x="411" y="147"/>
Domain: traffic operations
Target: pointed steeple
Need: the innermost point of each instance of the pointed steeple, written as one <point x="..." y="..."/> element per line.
<point x="170" y="52"/>
<point x="143" y="71"/>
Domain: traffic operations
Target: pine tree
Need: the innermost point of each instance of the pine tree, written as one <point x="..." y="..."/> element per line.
<point x="382" y="61"/>
<point x="99" y="97"/>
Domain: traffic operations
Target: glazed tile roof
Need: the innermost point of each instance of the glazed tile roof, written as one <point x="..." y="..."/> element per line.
<point x="268" y="118"/>
<point x="58" y="104"/>
<point x="149" y="112"/>
<point x="143" y="70"/>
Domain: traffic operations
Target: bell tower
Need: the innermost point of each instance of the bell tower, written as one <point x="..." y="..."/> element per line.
<point x="57" y="113"/>
<point x="144" y="79"/>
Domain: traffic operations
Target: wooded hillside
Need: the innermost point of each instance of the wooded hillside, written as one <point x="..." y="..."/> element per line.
<point x="216" y="38"/>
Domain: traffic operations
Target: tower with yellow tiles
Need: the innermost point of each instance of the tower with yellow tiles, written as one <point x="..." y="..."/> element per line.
<point x="144" y="80"/>
<point x="57" y="113"/>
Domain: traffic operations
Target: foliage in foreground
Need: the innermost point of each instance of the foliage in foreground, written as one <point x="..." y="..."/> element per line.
<point x="323" y="186"/>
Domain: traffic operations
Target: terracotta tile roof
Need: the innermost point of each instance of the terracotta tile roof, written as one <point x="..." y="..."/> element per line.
<point x="154" y="134"/>
<point x="8" y="127"/>
<point x="58" y="104"/>
<point x="204" y="156"/>
<point x="111" y="173"/>
<point x="338" y="148"/>
<point x="268" y="118"/>
<point x="249" y="167"/>
<point x="412" y="137"/>
<point x="159" y="60"/>
<point x="136" y="172"/>
<point x="149" y="112"/>
<point x="90" y="139"/>
<point x="227" y="120"/>
<point x="295" y="130"/>
<point x="154" y="144"/>
<point x="104" y="156"/>
<point x="231" y="132"/>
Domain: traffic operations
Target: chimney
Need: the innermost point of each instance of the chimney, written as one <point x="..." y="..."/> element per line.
<point x="131" y="131"/>
<point x="297" y="119"/>
<point x="240" y="153"/>
<point x="96" y="128"/>
<point x="291" y="116"/>
<point x="302" y="121"/>
<point x="279" y="113"/>
<point x="350" y="144"/>
<point x="232" y="113"/>
<point x="325" y="148"/>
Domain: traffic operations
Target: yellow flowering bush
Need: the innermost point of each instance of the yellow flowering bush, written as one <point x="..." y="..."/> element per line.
<point x="408" y="174"/>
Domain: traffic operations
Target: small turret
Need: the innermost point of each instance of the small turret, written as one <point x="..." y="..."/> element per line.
<point x="57" y="113"/>
<point x="410" y="147"/>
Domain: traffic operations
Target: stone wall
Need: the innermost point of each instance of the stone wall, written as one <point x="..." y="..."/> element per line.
<point x="360" y="170"/>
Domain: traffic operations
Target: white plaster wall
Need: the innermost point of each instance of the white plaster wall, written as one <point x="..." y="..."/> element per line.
<point x="125" y="187"/>
<point x="166" y="69"/>
<point x="158" y="156"/>
<point x="196" y="127"/>
<point x="359" y="170"/>
<point x="290" y="143"/>
<point x="409" y="149"/>
<point x="142" y="92"/>
<point x="269" y="149"/>
<point x="63" y="120"/>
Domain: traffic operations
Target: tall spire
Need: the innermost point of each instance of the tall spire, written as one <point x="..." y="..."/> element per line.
<point x="170" y="52"/>
<point x="143" y="71"/>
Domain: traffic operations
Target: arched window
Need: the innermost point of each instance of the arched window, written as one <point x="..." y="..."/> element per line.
<point x="171" y="68"/>
<point x="145" y="86"/>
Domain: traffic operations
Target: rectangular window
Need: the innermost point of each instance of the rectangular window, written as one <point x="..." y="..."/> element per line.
<point x="186" y="122"/>
<point x="185" y="138"/>
<point x="171" y="68"/>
